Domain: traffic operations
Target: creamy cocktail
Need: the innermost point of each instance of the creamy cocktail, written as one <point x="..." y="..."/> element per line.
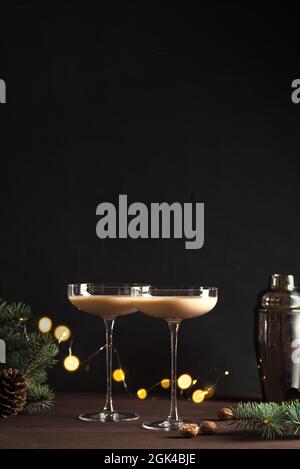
<point x="105" y="306"/>
<point x="108" y="302"/>
<point x="174" y="305"/>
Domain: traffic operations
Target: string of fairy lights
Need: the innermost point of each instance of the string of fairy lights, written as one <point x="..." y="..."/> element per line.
<point x="188" y="386"/>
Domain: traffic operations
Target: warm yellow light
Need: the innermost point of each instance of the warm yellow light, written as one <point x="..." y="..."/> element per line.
<point x="194" y="381"/>
<point x="142" y="393"/>
<point x="71" y="363"/>
<point x="165" y="383"/>
<point x="45" y="325"/>
<point x="118" y="375"/>
<point x="226" y="373"/>
<point x="209" y="392"/>
<point x="62" y="333"/>
<point x="198" y="396"/>
<point x="184" y="381"/>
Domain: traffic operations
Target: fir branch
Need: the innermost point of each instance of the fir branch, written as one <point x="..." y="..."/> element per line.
<point x="12" y="317"/>
<point x="292" y="413"/>
<point x="15" y="345"/>
<point x="38" y="376"/>
<point x="40" y="352"/>
<point x="21" y="311"/>
<point x="30" y="353"/>
<point x="268" y="419"/>
<point x="39" y="398"/>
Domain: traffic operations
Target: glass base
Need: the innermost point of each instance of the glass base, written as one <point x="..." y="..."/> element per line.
<point x="108" y="417"/>
<point x="163" y="425"/>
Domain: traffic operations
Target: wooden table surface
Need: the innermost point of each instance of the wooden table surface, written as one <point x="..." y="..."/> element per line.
<point x="60" y="428"/>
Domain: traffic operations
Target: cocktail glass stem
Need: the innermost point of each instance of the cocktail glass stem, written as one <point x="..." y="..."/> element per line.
<point x="109" y="325"/>
<point x="173" y="415"/>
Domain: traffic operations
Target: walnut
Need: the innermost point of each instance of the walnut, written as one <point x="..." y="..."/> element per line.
<point x="189" y="430"/>
<point x="225" y="413"/>
<point x="208" y="428"/>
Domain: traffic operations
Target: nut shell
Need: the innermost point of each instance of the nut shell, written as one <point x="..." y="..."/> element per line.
<point x="189" y="430"/>
<point x="225" y="413"/>
<point x="208" y="428"/>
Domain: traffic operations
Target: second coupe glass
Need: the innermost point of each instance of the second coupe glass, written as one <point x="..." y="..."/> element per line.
<point x="173" y="305"/>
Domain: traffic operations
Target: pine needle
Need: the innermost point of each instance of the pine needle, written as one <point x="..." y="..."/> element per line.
<point x="268" y="419"/>
<point x="39" y="398"/>
<point x="292" y="413"/>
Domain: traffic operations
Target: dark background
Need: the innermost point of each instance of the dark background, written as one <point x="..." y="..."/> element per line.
<point x="162" y="104"/>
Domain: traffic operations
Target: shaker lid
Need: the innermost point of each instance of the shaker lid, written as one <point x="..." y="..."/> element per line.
<point x="283" y="294"/>
<point x="278" y="281"/>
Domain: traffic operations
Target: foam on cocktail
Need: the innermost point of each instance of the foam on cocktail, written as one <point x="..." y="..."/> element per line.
<point x="105" y="306"/>
<point x="175" y="307"/>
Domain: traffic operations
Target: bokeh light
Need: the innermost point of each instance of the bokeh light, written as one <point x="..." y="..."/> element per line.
<point x="45" y="324"/>
<point x="226" y="372"/>
<point x="62" y="333"/>
<point x="142" y="393"/>
<point x="184" y="381"/>
<point x="71" y="363"/>
<point x="165" y="383"/>
<point x="118" y="375"/>
<point x="198" y="396"/>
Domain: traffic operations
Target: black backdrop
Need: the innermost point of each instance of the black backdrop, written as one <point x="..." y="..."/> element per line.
<point x="162" y="104"/>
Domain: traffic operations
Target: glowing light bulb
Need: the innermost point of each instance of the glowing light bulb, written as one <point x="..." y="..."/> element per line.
<point x="118" y="375"/>
<point x="45" y="325"/>
<point x="165" y="383"/>
<point x="62" y="333"/>
<point x="194" y="381"/>
<point x="184" y="381"/>
<point x="198" y="396"/>
<point x="141" y="393"/>
<point x="226" y="373"/>
<point x="71" y="363"/>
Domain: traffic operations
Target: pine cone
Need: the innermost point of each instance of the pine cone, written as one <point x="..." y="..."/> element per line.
<point x="13" y="392"/>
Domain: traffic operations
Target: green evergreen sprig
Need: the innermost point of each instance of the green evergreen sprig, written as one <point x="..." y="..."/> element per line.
<point x="268" y="419"/>
<point x="39" y="398"/>
<point x="12" y="317"/>
<point x="30" y="352"/>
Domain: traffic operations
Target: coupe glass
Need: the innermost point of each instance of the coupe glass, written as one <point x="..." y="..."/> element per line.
<point x="107" y="302"/>
<point x="174" y="305"/>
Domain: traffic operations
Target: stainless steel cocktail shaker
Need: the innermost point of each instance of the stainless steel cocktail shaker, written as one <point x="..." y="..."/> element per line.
<point x="278" y="343"/>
